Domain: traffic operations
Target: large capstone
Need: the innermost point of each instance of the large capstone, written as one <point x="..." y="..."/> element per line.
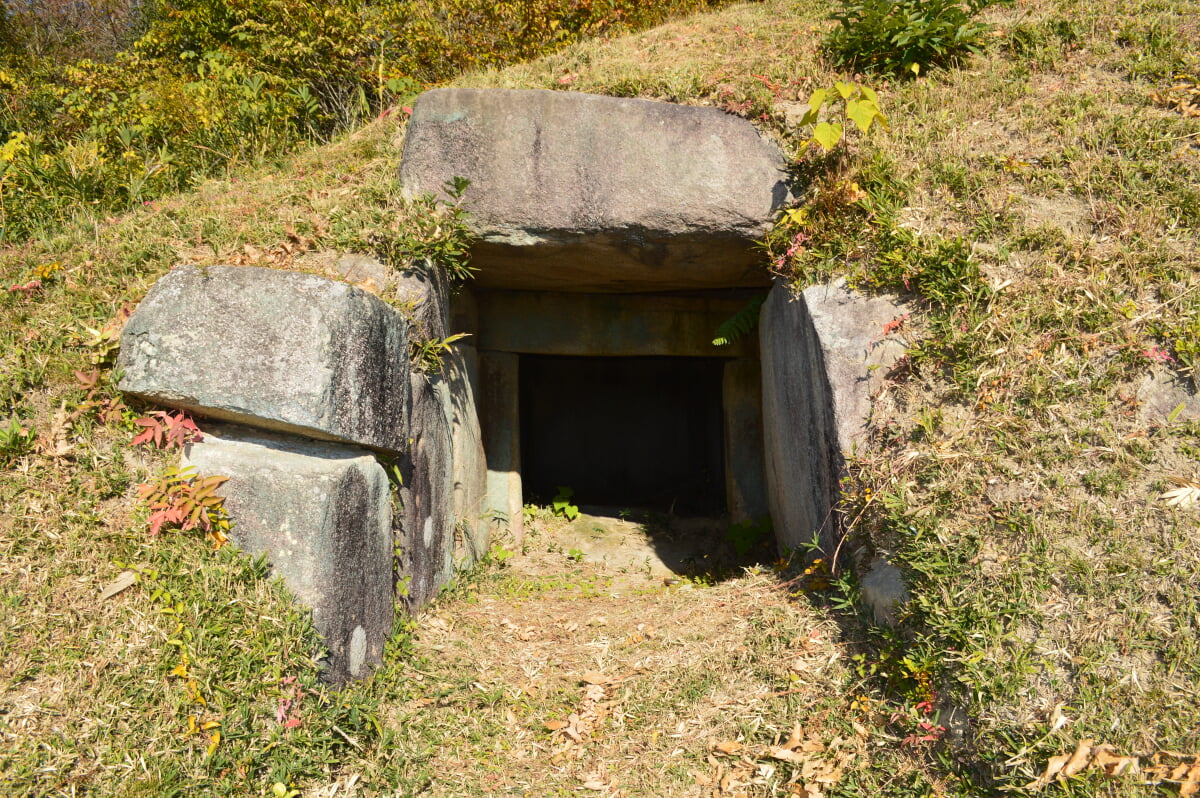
<point x="321" y="514"/>
<point x="579" y="192"/>
<point x="272" y="349"/>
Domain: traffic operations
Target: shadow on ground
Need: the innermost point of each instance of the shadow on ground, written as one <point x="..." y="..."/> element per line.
<point x="656" y="545"/>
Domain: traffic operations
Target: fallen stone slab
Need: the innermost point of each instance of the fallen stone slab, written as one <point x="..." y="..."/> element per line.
<point x="321" y="513"/>
<point x="272" y="349"/>
<point x="578" y="192"/>
<point x="824" y="354"/>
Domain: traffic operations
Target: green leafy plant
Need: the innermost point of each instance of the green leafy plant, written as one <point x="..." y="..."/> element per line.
<point x="499" y="555"/>
<point x="860" y="105"/>
<point x="746" y="535"/>
<point x="902" y="38"/>
<point x="184" y="500"/>
<point x="739" y="323"/>
<point x="426" y="355"/>
<point x="15" y="438"/>
<point x="442" y="235"/>
<point x="561" y="506"/>
<point x="109" y="409"/>
<point x="105" y="341"/>
<point x="401" y="230"/>
<point x="828" y="218"/>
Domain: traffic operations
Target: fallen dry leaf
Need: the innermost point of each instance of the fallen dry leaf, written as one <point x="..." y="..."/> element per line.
<point x="574" y="728"/>
<point x="1185" y="496"/>
<point x="1191" y="781"/>
<point x="795" y="738"/>
<point x="1088" y="756"/>
<point x="787" y="755"/>
<point x="124" y="580"/>
<point x="58" y="438"/>
<point x="1053" y="768"/>
<point x="1079" y="760"/>
<point x="1112" y="764"/>
<point x="806" y="790"/>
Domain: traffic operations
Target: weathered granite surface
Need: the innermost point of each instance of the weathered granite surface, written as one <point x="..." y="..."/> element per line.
<point x="499" y="421"/>
<point x="272" y="349"/>
<point x="447" y="440"/>
<point x="424" y="526"/>
<point x="856" y="350"/>
<point x="579" y="192"/>
<point x="471" y="519"/>
<point x="321" y="513"/>
<point x="823" y="355"/>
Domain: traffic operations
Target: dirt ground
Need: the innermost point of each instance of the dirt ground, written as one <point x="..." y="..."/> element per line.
<point x="630" y="658"/>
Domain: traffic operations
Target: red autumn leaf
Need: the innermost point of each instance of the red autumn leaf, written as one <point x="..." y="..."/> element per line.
<point x="170" y="515"/>
<point x="151" y="431"/>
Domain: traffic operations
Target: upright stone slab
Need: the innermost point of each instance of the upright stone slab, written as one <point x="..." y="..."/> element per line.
<point x="471" y="519"/>
<point x="579" y="192"/>
<point x="321" y="513"/>
<point x="500" y="423"/>
<point x="447" y="464"/>
<point x="442" y="524"/>
<point x="745" y="477"/>
<point x="272" y="349"/>
<point x="823" y="354"/>
<point x="858" y="347"/>
<point x="424" y="529"/>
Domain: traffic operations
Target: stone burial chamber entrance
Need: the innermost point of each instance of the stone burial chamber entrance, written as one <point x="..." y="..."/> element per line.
<point x="613" y="238"/>
<point x="624" y="432"/>
<point x="621" y="397"/>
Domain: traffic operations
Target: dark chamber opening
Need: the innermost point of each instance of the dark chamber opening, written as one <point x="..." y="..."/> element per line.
<point x="642" y="432"/>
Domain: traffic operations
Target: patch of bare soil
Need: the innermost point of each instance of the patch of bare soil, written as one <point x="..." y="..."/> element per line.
<point x="574" y="675"/>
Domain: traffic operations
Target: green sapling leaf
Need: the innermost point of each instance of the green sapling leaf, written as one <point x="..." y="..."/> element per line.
<point x="815" y="102"/>
<point x="862" y="113"/>
<point x="827" y="135"/>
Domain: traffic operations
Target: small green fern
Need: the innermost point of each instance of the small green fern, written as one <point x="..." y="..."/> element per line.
<point x="739" y="323"/>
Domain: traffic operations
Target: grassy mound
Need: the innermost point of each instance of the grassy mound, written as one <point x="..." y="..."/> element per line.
<point x="1035" y="473"/>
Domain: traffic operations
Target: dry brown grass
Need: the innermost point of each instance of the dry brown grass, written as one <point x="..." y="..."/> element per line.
<point x="566" y="675"/>
<point x="1017" y="477"/>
